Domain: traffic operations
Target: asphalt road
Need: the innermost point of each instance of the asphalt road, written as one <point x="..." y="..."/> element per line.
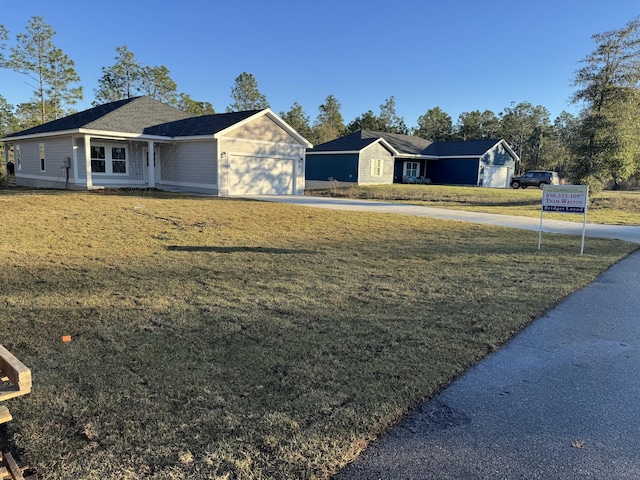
<point x="561" y="400"/>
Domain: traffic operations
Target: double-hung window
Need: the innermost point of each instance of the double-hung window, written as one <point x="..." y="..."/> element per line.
<point x="118" y="160"/>
<point x="109" y="159"/>
<point x="411" y="169"/>
<point x="98" y="161"/>
<point x="376" y="167"/>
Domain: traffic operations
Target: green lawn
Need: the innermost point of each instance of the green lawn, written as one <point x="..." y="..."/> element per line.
<point x="606" y="207"/>
<point x="221" y="338"/>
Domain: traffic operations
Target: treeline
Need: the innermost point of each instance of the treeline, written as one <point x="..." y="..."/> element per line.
<point x="601" y="144"/>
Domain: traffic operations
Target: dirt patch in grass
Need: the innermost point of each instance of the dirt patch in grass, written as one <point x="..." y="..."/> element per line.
<point x="220" y="338"/>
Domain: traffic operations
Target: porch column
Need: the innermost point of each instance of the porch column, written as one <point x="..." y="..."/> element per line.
<point x="152" y="166"/>
<point x="87" y="161"/>
<point x="6" y="157"/>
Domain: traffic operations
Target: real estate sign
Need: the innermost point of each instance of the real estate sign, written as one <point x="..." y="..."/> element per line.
<point x="565" y="199"/>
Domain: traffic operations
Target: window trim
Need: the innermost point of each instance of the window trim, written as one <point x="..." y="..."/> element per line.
<point x="406" y="169"/>
<point x="377" y="168"/>
<point x="109" y="158"/>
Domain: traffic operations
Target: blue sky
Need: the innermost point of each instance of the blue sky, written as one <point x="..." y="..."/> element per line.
<point x="460" y="56"/>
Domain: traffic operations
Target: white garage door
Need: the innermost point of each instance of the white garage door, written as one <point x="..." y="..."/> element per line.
<point x="260" y="175"/>
<point x="497" y="176"/>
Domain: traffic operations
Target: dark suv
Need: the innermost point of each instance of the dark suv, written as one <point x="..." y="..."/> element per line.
<point x="535" y="178"/>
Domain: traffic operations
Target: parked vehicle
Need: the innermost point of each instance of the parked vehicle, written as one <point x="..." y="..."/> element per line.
<point x="535" y="178"/>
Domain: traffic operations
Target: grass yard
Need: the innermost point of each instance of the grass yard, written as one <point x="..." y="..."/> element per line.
<point x="606" y="207"/>
<point x="230" y="339"/>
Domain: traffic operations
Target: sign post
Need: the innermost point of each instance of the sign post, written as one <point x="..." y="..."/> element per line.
<point x="565" y="199"/>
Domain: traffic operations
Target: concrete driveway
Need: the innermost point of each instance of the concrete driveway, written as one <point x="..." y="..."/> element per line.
<point x="628" y="233"/>
<point x="561" y="400"/>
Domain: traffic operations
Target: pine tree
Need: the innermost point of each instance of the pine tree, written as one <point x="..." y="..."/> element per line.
<point x="246" y="95"/>
<point x="609" y="130"/>
<point x="38" y="58"/>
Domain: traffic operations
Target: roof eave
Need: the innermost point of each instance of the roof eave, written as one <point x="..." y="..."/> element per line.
<point x="385" y="144"/>
<point x="59" y="133"/>
<point x="106" y="134"/>
<point x="508" y="149"/>
<point x="334" y="152"/>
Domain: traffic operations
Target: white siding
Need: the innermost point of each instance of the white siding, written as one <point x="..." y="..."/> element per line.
<point x="263" y="128"/>
<point x="192" y="164"/>
<point x="54" y="175"/>
<point x="367" y="156"/>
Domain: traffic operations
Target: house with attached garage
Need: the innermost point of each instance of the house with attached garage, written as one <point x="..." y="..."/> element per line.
<point x="486" y="163"/>
<point x="361" y="158"/>
<point x="367" y="157"/>
<point x="142" y="143"/>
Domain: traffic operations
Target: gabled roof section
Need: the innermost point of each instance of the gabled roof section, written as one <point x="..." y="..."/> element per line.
<point x="202" y="125"/>
<point x="349" y="143"/>
<point x="137" y="116"/>
<point x="404" y="144"/>
<point x="131" y="115"/>
<point x="396" y="143"/>
<point x="270" y="114"/>
<point x="145" y="116"/>
<point x="470" y="148"/>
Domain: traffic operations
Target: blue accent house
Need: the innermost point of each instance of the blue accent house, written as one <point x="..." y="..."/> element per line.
<point x="367" y="157"/>
<point x="488" y="163"/>
<point x="361" y="158"/>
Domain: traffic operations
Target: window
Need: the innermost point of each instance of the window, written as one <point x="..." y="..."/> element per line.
<point x="376" y="167"/>
<point x="42" y="162"/>
<point x="18" y="159"/>
<point x="118" y="160"/>
<point x="98" y="162"/>
<point x="108" y="160"/>
<point x="411" y="169"/>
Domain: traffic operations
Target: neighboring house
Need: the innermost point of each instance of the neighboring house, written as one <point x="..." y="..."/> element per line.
<point x="487" y="163"/>
<point x="109" y="146"/>
<point x="361" y="158"/>
<point x="368" y="157"/>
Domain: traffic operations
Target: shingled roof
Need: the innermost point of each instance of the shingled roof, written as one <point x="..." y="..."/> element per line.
<point x="402" y="144"/>
<point x="460" y="149"/>
<point x="202" y="125"/>
<point x="131" y="115"/>
<point x="140" y="115"/>
<point x="353" y="142"/>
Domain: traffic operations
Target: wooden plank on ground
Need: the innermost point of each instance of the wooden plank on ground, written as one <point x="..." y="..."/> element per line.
<point x="5" y="416"/>
<point x="17" y="373"/>
<point x="14" y="470"/>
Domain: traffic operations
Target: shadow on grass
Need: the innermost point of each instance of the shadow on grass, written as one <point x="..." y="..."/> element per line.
<point x="280" y="251"/>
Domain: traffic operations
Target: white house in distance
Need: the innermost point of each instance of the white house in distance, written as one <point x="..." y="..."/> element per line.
<point x="109" y="146"/>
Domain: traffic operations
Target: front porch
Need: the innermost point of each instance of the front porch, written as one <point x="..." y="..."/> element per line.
<point x="111" y="162"/>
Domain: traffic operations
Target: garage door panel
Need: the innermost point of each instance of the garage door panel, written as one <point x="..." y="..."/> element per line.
<point x="496" y="176"/>
<point x="260" y="175"/>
